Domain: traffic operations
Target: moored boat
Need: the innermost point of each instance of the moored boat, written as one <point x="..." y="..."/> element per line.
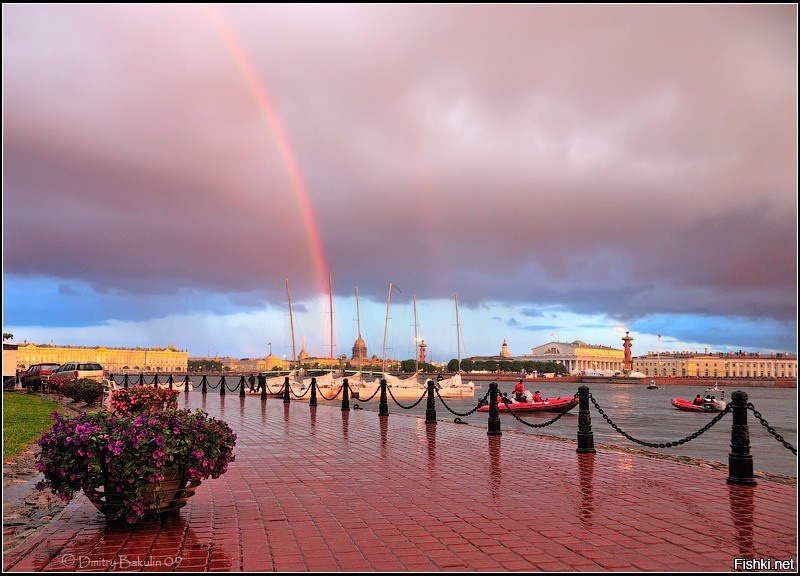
<point x="546" y="405"/>
<point x="706" y="406"/>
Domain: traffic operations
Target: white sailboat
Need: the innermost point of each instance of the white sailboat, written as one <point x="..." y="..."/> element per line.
<point x="454" y="387"/>
<point x="356" y="381"/>
<point x="401" y="388"/>
<point x="276" y="383"/>
<point x="327" y="385"/>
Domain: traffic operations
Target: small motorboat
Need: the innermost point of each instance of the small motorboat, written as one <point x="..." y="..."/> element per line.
<point x="652" y="385"/>
<point x="546" y="405"/>
<point x="707" y="406"/>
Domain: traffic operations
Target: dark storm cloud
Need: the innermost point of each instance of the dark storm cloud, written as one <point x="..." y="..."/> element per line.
<point x="611" y="159"/>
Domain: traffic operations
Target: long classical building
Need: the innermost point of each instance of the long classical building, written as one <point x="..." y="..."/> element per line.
<point x="578" y="356"/>
<point x="718" y="364"/>
<point x="154" y="359"/>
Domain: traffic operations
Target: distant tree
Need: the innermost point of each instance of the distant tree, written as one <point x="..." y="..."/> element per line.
<point x="452" y="366"/>
<point x="7" y="336"/>
<point x="408" y="366"/>
<point x="467" y="365"/>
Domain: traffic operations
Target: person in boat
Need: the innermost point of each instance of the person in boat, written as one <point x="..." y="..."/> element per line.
<point x="537" y="397"/>
<point x="439" y="378"/>
<point x="505" y="399"/>
<point x="698" y="401"/>
<point x="519" y="392"/>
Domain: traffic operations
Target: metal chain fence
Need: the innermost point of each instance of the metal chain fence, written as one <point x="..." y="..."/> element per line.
<point x="692" y="436"/>
<point x="771" y="430"/>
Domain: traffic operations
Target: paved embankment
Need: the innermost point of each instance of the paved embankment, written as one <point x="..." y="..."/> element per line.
<point x="318" y="489"/>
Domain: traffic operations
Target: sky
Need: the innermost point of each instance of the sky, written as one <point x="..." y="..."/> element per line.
<point x="567" y="172"/>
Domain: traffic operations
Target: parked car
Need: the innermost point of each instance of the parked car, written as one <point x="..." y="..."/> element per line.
<point x="75" y="370"/>
<point x="36" y="374"/>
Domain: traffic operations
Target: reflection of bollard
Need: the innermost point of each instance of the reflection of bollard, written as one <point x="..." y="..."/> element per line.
<point x="313" y="401"/>
<point x="740" y="461"/>
<point x="345" y="395"/>
<point x="430" y="407"/>
<point x="241" y="387"/>
<point x="494" y="412"/>
<point x="204" y="384"/>
<point x="286" y="398"/>
<point x="585" y="434"/>
<point x="383" y="408"/>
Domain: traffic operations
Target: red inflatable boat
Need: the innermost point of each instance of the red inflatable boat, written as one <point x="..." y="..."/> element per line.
<point x="548" y="404"/>
<point x="690" y="406"/>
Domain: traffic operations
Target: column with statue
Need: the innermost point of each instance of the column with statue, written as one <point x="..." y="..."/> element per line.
<point x="627" y="366"/>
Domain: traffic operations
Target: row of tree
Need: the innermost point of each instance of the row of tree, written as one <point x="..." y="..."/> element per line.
<point x="467" y="365"/>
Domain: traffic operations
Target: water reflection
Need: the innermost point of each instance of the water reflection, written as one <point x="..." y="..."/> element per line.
<point x="263" y="411"/>
<point x="345" y="424"/>
<point x="384" y="424"/>
<point x="586" y="477"/>
<point x="495" y="468"/>
<point x="313" y="413"/>
<point x="741" y="504"/>
<point x="430" y="434"/>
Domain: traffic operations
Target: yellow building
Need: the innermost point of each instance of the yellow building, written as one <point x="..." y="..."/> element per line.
<point x="718" y="365"/>
<point x="578" y="356"/>
<point x="154" y="359"/>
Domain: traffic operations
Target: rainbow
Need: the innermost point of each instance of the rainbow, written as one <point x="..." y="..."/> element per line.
<point x="261" y="95"/>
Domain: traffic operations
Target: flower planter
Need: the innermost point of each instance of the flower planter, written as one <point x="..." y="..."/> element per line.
<point x="162" y="497"/>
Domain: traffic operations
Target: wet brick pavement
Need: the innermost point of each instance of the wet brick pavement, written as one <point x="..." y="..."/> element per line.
<point x="319" y="489"/>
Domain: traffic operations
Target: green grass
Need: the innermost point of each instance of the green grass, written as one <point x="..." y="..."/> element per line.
<point x="25" y="417"/>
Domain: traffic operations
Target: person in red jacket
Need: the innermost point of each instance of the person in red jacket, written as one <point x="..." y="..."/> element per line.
<point x="519" y="392"/>
<point x="537" y="397"/>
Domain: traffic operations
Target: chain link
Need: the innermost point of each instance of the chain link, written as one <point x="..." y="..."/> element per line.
<point x="771" y="430"/>
<point x="481" y="402"/>
<point x="406" y="407"/>
<point x="543" y="424"/>
<point x="375" y="393"/>
<point x="692" y="436"/>
<point x="334" y="397"/>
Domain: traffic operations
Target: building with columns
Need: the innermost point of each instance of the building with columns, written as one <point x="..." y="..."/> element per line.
<point x="578" y="356"/>
<point x="154" y="359"/>
<point x="718" y="364"/>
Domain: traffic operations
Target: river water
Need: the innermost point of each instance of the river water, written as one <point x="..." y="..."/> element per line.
<point x="644" y="414"/>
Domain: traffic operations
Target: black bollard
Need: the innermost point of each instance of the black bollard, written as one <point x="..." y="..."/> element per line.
<point x="262" y="384"/>
<point x="494" y="412"/>
<point x="222" y="385"/>
<point x="313" y="401"/>
<point x="204" y="384"/>
<point x="383" y="407"/>
<point x="286" y="398"/>
<point x="125" y="381"/>
<point x="740" y="461"/>
<point x="186" y="383"/>
<point x="241" y="387"/>
<point x="155" y="381"/>
<point x="430" y="407"/>
<point x="345" y="395"/>
<point x="585" y="434"/>
<point x="141" y="379"/>
<point x="170" y="382"/>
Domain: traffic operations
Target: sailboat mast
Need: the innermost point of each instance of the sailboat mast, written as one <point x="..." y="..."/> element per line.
<point x="291" y="322"/>
<point x="358" y="316"/>
<point x="458" y="334"/>
<point x="386" y="328"/>
<point x="330" y="288"/>
<point x="416" y="337"/>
